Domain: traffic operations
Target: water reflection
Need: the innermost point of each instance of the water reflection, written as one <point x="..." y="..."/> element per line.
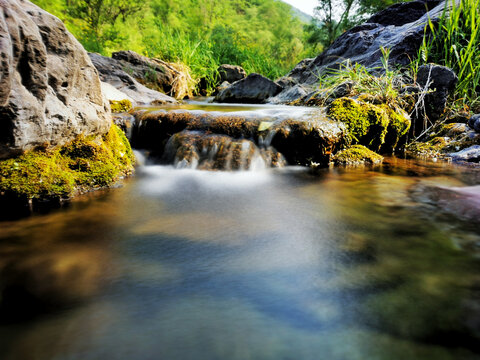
<point x="183" y="264"/>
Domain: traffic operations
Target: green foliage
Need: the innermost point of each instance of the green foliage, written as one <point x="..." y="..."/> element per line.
<point x="81" y="165"/>
<point x="262" y="36"/>
<point x="455" y="43"/>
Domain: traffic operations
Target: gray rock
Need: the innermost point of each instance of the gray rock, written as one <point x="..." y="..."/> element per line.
<point x="440" y="79"/>
<point x="289" y="95"/>
<point x="124" y="121"/>
<point x="254" y="89"/>
<point x="470" y="154"/>
<point x="403" y="13"/>
<point x="286" y="82"/>
<point x="154" y="73"/>
<point x="50" y="91"/>
<point x="221" y="87"/>
<point x="231" y="73"/>
<point x="112" y="72"/>
<point x="474" y="122"/>
<point x="362" y="43"/>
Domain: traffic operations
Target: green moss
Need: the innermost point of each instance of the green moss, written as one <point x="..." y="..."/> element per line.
<point x="398" y="127"/>
<point x="357" y="155"/>
<point x="430" y="149"/>
<point x="82" y="165"/>
<point x="368" y="124"/>
<point x="120" y="106"/>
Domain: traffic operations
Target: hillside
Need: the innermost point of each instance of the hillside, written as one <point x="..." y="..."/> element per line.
<point x="304" y="17"/>
<point x="261" y="35"/>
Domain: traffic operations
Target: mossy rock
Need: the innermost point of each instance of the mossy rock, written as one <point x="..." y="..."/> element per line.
<point x="357" y="155"/>
<point x="444" y="139"/>
<point x="374" y="126"/>
<point x="426" y="150"/>
<point x="397" y="129"/>
<point x="82" y="165"/>
<point x="119" y="106"/>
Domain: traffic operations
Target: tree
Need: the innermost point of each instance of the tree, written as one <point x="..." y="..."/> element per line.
<point x="96" y="13"/>
<point x="333" y="17"/>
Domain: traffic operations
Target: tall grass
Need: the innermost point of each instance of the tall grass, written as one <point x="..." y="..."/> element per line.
<point x="204" y="53"/>
<point x="455" y="42"/>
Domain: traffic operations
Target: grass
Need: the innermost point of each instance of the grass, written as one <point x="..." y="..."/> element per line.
<point x="455" y="42"/>
<point x="203" y="56"/>
<point x="382" y="87"/>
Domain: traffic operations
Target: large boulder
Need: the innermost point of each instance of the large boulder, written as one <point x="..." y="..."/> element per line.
<point x="113" y="72"/>
<point x="49" y="90"/>
<point x="399" y="28"/>
<point x="254" y="89"/>
<point x="156" y="74"/>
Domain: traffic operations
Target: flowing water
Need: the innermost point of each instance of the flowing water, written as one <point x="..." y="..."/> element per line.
<point x="268" y="264"/>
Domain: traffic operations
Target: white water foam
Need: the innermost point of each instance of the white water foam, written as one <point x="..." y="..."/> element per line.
<point x="160" y="179"/>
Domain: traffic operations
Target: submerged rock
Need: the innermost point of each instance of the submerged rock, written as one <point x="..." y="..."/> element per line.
<point x="254" y="89"/>
<point x="462" y="202"/>
<point x="112" y="72"/>
<point x="50" y="91"/>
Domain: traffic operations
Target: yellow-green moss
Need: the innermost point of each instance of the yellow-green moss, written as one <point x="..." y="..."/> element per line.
<point x="119" y="106"/>
<point x="84" y="164"/>
<point x="356" y="155"/>
<point x="398" y="126"/>
<point x="368" y="124"/>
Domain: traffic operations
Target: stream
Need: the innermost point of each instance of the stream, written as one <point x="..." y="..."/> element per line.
<point x="261" y="263"/>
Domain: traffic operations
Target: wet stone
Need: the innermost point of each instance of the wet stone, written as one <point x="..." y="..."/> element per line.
<point x="301" y="138"/>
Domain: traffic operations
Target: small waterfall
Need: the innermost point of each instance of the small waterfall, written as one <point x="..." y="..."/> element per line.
<point x="236" y="139"/>
<point x="204" y="151"/>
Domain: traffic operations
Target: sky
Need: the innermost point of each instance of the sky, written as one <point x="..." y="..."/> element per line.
<point x="305" y="5"/>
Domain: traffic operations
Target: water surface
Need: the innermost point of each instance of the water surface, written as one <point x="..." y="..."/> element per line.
<point x="273" y="264"/>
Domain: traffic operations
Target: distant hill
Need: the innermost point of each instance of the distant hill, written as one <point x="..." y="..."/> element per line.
<point x="303" y="17"/>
